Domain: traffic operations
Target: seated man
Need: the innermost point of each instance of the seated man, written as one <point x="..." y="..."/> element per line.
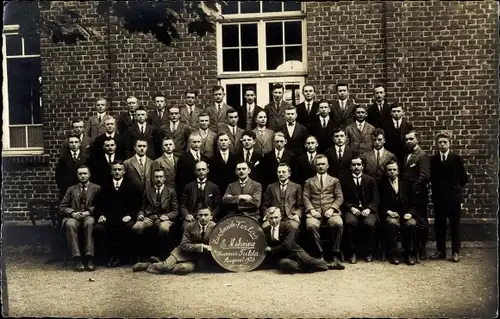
<point x="159" y="211"/>
<point x="193" y="251"/>
<point x="286" y="195"/>
<point x="322" y="199"/>
<point x="243" y="196"/>
<point x="397" y="211"/>
<point x="77" y="209"/>
<point x="282" y="247"/>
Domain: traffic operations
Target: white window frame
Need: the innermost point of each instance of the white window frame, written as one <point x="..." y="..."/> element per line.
<point x="7" y="150"/>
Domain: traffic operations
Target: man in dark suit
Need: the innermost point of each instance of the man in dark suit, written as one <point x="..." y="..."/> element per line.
<point x="283" y="249"/>
<point x="285" y="195"/>
<point x="232" y="130"/>
<point x="201" y="191"/>
<point x="250" y="155"/>
<point x="295" y="133"/>
<point x="416" y="175"/>
<point x="278" y="155"/>
<point x="322" y="199"/>
<point x="78" y="129"/>
<point x="110" y="132"/>
<point x="322" y="126"/>
<point x="100" y="165"/>
<point x="248" y="111"/>
<point x="361" y="200"/>
<point x="190" y="112"/>
<point x="359" y="133"/>
<point x="223" y="164"/>
<point x="127" y="118"/>
<point x="167" y="162"/>
<point x="378" y="157"/>
<point x="142" y="130"/>
<point x="305" y="163"/>
<point x="69" y="161"/>
<point x="95" y="124"/>
<point x="219" y="109"/>
<point x="380" y="111"/>
<point x="307" y="111"/>
<point x="340" y="155"/>
<point x="186" y="163"/>
<point x="176" y="130"/>
<point x="243" y="197"/>
<point x="397" y="214"/>
<point x="448" y="178"/>
<point x="342" y="109"/>
<point x="138" y="167"/>
<point x="77" y="209"/>
<point x="158" y="116"/>
<point x="117" y="214"/>
<point x="276" y="109"/>
<point x="395" y="131"/>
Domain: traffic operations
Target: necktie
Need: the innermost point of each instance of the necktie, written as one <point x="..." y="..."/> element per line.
<point x="158" y="196"/>
<point x="358" y="181"/>
<point x="83" y="197"/>
<point x="283" y="187"/>
<point x="323" y="124"/>
<point x="278" y="157"/>
<point x="247" y="157"/>
<point x="141" y="165"/>
<point x="342" y="106"/>
<point x="218" y="108"/>
<point x="197" y="157"/>
<point x="171" y="160"/>
<point x="203" y="231"/>
<point x="311" y="157"/>
<point x="378" y="157"/>
<point x="261" y="132"/>
<point x="233" y="131"/>
<point x="443" y="157"/>
<point x="360" y="127"/>
<point x="224" y="157"/>
<point x="172" y="127"/>
<point x="340" y="153"/>
<point x="397" y="125"/>
<point x="380" y="108"/>
<point x="395" y="185"/>
<point x="142" y="128"/>
<point x="309" y="108"/>
<point x="75" y="157"/>
<point x="100" y="118"/>
<point x="117" y="186"/>
<point x="249" y="114"/>
<point x="200" y="186"/>
<point x="242" y="185"/>
<point x="321" y="180"/>
<point x="160" y="114"/>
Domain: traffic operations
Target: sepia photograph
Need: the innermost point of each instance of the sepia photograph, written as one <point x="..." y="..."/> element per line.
<point x="277" y="159"/>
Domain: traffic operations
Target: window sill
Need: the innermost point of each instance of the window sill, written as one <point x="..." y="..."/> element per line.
<point x="22" y="152"/>
<point x="238" y="75"/>
<point x="12" y="159"/>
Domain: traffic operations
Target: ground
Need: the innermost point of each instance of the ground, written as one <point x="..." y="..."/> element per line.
<point x="378" y="289"/>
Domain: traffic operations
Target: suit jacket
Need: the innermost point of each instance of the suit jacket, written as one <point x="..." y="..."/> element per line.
<point x="116" y="204"/>
<point x="295" y="143"/>
<point x="376" y="118"/>
<point x="100" y="169"/>
<point x="399" y="202"/>
<point x="254" y="163"/>
<point x="185" y="170"/>
<point x="342" y="118"/>
<point x="180" y="137"/>
<point x="304" y="168"/>
<point x="416" y="172"/>
<point x="86" y="144"/>
<point x="120" y="142"/>
<point x="235" y="145"/>
<point x="132" y="171"/>
<point x="71" y="200"/>
<point x="168" y="205"/>
<point x="360" y="141"/>
<point x="322" y="198"/>
<point x="168" y="168"/>
<point x="235" y="206"/>
<point x="189" y="197"/>
<point x="221" y="173"/>
<point x="190" y="120"/>
<point x="264" y="142"/>
<point x="124" y="122"/>
<point x="292" y="203"/>
<point x="217" y="118"/>
<point x="340" y="167"/>
<point x="394" y="139"/>
<point x="270" y="166"/>
<point x="305" y="118"/>
<point x="208" y="143"/>
<point x="155" y="120"/>
<point x="242" y="116"/>
<point x="369" y="192"/>
<point x="94" y="128"/>
<point x="276" y="116"/>
<point x="287" y="242"/>
<point x="66" y="168"/>
<point x="150" y="135"/>
<point x="324" y="135"/>
<point x="448" y="179"/>
<point x="377" y="169"/>
<point x="190" y="246"/>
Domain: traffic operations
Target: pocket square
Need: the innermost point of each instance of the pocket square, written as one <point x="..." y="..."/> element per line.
<point x="412" y="165"/>
<point x="210" y="195"/>
<point x="256" y="163"/>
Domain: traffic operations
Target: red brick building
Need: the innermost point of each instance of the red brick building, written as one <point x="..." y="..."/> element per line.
<point x="438" y="59"/>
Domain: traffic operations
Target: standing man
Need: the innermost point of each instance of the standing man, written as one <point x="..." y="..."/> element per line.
<point x="265" y="136"/>
<point x="127" y="118"/>
<point x="219" y="109"/>
<point x="448" y="178"/>
<point x="158" y="116"/>
<point x="176" y="130"/>
<point x="305" y="163"/>
<point x="167" y="162"/>
<point x="307" y="111"/>
<point x="232" y="130"/>
<point x="380" y="111"/>
<point x="95" y="124"/>
<point x="250" y="155"/>
<point x="138" y="167"/>
<point x="278" y="155"/>
<point x="295" y="133"/>
<point x="190" y="112"/>
<point x="208" y="137"/>
<point x="322" y="126"/>
<point x="186" y="163"/>
<point x="110" y="132"/>
<point x="144" y="131"/>
<point x="70" y="159"/>
<point x="78" y="129"/>
<point x="223" y="164"/>
<point x="343" y="107"/>
<point x="416" y="175"/>
<point x="378" y="157"/>
<point x="276" y="109"/>
<point x="340" y="155"/>
<point x="395" y="131"/>
<point x="359" y="133"/>
<point x="100" y="165"/>
<point x="248" y="111"/>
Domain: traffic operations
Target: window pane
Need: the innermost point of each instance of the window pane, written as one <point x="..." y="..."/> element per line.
<point x="249" y="6"/>
<point x="293" y="32"/>
<point x="230" y="36"/>
<point x="274" y="33"/>
<point x="13" y="43"/>
<point x="292" y="6"/>
<point x="292" y="93"/>
<point x="249" y="60"/>
<point x="233" y="95"/>
<point x="274" y="58"/>
<point x="24" y="90"/>
<point x="230" y="60"/>
<point x="293" y="53"/>
<point x="35" y="136"/>
<point x="248" y="35"/>
<point x="271" y="6"/>
<point x="18" y="136"/>
<point x="32" y="44"/>
<point x="230" y="8"/>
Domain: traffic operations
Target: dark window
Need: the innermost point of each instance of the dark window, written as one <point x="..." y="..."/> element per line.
<point x="274" y="33"/>
<point x="233" y="95"/>
<point x="231" y="60"/>
<point x="293" y="53"/>
<point x="293" y="32"/>
<point x="274" y="58"/>
<point x="230" y="8"/>
<point x="249" y="7"/>
<point x="249" y="35"/>
<point x="249" y="60"/>
<point x="13" y="44"/>
<point x="230" y="36"/>
<point x="292" y="6"/>
<point x="272" y="6"/>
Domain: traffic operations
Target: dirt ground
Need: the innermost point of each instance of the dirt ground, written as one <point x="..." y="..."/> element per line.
<point x="378" y="289"/>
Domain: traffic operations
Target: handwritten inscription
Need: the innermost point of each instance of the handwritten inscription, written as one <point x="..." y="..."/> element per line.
<point x="235" y="224"/>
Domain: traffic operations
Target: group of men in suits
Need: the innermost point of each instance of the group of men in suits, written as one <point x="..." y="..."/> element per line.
<point x="319" y="164"/>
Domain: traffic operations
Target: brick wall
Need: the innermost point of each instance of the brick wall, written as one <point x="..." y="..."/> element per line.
<point x="438" y="59"/>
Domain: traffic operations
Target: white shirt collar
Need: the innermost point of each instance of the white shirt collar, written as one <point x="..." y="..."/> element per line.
<point x="111" y="135"/>
<point x="381" y="151"/>
<point x="319" y="175"/>
<point x="168" y="155"/>
<point x="245" y="151"/>
<point x="327" y="118"/>
<point x="138" y="158"/>
<point x="397" y="121"/>
<point x="194" y="152"/>
<point x="278" y="152"/>
<point x="119" y="182"/>
<point x="357" y="176"/>
<point x="77" y="152"/>
<point x="313" y="155"/>
<point x="243" y="182"/>
<point x="201" y="181"/>
<point x="340" y="147"/>
<point x="360" y="123"/>
<point x="161" y="188"/>
<point x="224" y="152"/>
<point x="445" y="154"/>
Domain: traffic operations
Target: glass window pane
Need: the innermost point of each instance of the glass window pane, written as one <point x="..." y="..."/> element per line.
<point x="272" y="6"/>
<point x="249" y="6"/>
<point x="18" y="136"/>
<point x="13" y="45"/>
<point x="293" y="32"/>
<point x="274" y="33"/>
<point x="249" y="60"/>
<point x="248" y="34"/>
<point x="32" y="44"/>
<point x="292" y="6"/>
<point x="230" y="8"/>
<point x="24" y="90"/>
<point x="233" y="95"/>
<point x="293" y="53"/>
<point x="230" y="60"/>
<point x="35" y="136"/>
<point x="230" y="36"/>
<point x="292" y="93"/>
<point x="274" y="58"/>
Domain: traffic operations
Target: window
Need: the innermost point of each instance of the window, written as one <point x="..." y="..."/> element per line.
<point x="261" y="43"/>
<point x="22" y="118"/>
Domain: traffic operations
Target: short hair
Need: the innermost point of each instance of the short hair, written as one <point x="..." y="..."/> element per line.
<point x="379" y="86"/>
<point x="166" y="138"/>
<point x="201" y="206"/>
<point x="280" y="134"/>
<point x="443" y="134"/>
<point x="261" y="111"/>
<point x="358" y="157"/>
<point x="140" y="139"/>
<point x="159" y="94"/>
<point x="101" y="99"/>
<point x="323" y="101"/>
<point x="291" y="107"/>
<point x="158" y="169"/>
<point x="318" y="157"/>
<point x="132" y="97"/>
<point x="141" y="108"/>
<point x="249" y="88"/>
<point x="191" y="91"/>
<point x="230" y="110"/>
<point x="108" y="117"/>
<point x="217" y="88"/>
<point x="250" y="134"/>
<point x="107" y="139"/>
<point x="243" y="162"/>
<point x="194" y="134"/>
<point x="339" y="129"/>
<point x="311" y="136"/>
<point x="390" y="162"/>
<point x="307" y="84"/>
<point x="117" y="162"/>
<point x="204" y="113"/>
<point x="414" y="132"/>
<point x="74" y="135"/>
<point x="272" y="210"/>
<point x="395" y="105"/>
<point x="83" y="166"/>
<point x="278" y="86"/>
<point x="341" y="84"/>
<point x="174" y="107"/>
<point x="359" y="106"/>
<point x="377" y="132"/>
<point x="285" y="165"/>
<point x="77" y="120"/>
<point x="221" y="133"/>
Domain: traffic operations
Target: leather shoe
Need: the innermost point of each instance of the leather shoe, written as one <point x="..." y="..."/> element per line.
<point x="140" y="267"/>
<point x="394" y="261"/>
<point x="90" y="265"/>
<point x="155" y="269"/>
<point x="410" y="260"/>
<point x="455" y="257"/>
<point x="352" y="260"/>
<point x="335" y="264"/>
<point x="154" y="259"/>
<point x="369" y="258"/>
<point x="79" y="266"/>
<point x="438" y="255"/>
<point x="422" y="252"/>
